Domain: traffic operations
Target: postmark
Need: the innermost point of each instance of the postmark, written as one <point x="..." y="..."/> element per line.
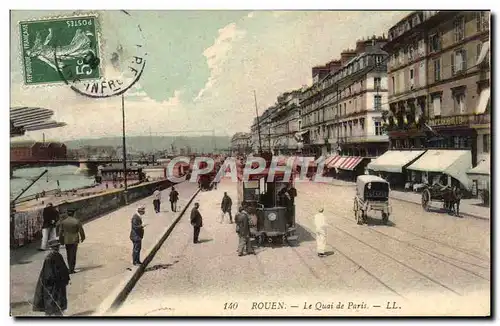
<point x="74" y="40"/>
<point x="123" y="63"/>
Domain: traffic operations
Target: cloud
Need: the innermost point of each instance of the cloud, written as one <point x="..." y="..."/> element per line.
<point x="267" y="54"/>
<point x="218" y="54"/>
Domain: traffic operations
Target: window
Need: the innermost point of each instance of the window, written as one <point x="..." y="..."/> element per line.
<point x="361" y="83"/>
<point x="459" y="103"/>
<point x="458" y="61"/>
<point x="482" y="22"/>
<point x="410" y="53"/>
<point x="437" y="70"/>
<point x="479" y="47"/>
<point x="377" y="82"/>
<point x="421" y="47"/>
<point x="378" y="59"/>
<point x="436" y="105"/>
<point x="486" y="143"/>
<point x="377" y="102"/>
<point x="434" y="43"/>
<point x="412" y="83"/>
<point x="378" y="128"/>
<point x="459" y="27"/>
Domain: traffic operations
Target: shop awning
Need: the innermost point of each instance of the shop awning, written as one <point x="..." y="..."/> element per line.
<point x="482" y="169"/>
<point x="330" y="159"/>
<point x="393" y="161"/>
<point x="338" y="162"/>
<point x="482" y="103"/>
<point x="455" y="163"/>
<point x="351" y="162"/>
<point x="331" y="163"/>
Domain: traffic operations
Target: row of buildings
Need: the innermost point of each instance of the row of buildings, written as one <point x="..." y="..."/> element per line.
<point x="424" y="86"/>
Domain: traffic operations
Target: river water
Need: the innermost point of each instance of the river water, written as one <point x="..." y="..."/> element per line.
<point x="68" y="176"/>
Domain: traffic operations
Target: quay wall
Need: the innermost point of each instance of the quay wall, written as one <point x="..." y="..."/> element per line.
<point x="26" y="226"/>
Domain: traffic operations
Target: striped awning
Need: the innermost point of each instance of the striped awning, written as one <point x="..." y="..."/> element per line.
<point x="331" y="164"/>
<point x="350" y="162"/>
<point x="330" y="158"/>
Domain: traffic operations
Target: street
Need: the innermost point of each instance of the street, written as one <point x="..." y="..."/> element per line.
<point x="421" y="263"/>
<point x="104" y="258"/>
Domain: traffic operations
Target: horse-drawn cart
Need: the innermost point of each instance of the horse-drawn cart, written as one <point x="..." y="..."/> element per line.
<point x="450" y="197"/>
<point x="372" y="193"/>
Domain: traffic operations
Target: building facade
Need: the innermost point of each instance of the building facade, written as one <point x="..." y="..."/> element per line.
<point x="342" y="112"/>
<point x="439" y="82"/>
<point x="241" y="143"/>
<point x="279" y="126"/>
<point x="35" y="151"/>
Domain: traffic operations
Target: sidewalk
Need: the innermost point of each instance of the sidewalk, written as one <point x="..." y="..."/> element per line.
<point x="471" y="207"/>
<point x="103" y="259"/>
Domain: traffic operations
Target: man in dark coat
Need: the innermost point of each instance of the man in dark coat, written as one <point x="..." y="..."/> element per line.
<point x="50" y="293"/>
<point x="243" y="230"/>
<point x="50" y="217"/>
<point x="225" y="206"/>
<point x="137" y="234"/>
<point x="174" y="197"/>
<point x="196" y="222"/>
<point x="70" y="234"/>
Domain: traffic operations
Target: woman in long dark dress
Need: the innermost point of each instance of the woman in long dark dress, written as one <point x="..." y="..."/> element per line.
<point x="50" y="294"/>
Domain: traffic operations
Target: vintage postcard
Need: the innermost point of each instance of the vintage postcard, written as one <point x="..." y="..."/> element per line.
<point x="250" y="163"/>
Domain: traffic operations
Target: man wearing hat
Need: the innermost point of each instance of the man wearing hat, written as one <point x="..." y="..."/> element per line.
<point x="50" y="293"/>
<point x="196" y="222"/>
<point x="243" y="230"/>
<point x="136" y="234"/>
<point x="50" y="217"/>
<point x="70" y="234"/>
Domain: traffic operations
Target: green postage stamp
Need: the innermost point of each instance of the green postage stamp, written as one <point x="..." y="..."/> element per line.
<point x="55" y="50"/>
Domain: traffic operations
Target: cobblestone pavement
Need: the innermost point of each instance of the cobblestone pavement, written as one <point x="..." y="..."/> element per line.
<point x="428" y="263"/>
<point x="103" y="259"/>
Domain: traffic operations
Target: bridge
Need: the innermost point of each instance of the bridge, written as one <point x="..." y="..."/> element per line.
<point x="90" y="164"/>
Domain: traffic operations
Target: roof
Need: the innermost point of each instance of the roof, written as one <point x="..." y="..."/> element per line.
<point x="25" y="143"/>
<point x="365" y="178"/>
<point x="33" y="118"/>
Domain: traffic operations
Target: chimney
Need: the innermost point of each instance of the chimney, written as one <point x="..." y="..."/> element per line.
<point x="360" y="47"/>
<point x="334" y="66"/>
<point x="319" y="72"/>
<point x="347" y="55"/>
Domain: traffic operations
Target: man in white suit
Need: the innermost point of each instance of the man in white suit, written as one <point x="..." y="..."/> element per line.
<point x="319" y="221"/>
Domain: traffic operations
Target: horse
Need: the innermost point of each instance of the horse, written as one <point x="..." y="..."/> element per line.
<point x="451" y="200"/>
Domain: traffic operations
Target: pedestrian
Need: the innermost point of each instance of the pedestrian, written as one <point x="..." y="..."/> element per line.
<point x="319" y="221"/>
<point x="50" y="292"/>
<point x="156" y="200"/>
<point x="173" y="197"/>
<point x="50" y="217"/>
<point x="137" y="234"/>
<point x="71" y="233"/>
<point x="243" y="230"/>
<point x="226" y="208"/>
<point x="196" y="222"/>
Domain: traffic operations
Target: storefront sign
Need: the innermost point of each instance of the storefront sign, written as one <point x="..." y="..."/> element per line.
<point x="450" y="121"/>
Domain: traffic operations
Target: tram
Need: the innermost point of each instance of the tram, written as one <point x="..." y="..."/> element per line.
<point x="272" y="212"/>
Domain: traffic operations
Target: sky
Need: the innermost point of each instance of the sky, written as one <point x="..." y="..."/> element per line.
<point x="202" y="68"/>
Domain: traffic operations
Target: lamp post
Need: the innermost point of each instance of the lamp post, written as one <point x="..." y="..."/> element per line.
<point x="124" y="152"/>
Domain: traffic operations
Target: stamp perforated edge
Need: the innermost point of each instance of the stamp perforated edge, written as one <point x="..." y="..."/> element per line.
<point x="20" y="60"/>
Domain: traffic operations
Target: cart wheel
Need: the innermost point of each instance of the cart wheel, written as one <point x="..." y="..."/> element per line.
<point x="385" y="218"/>
<point x="260" y="240"/>
<point x="355" y="206"/>
<point x="426" y="199"/>
<point x="359" y="217"/>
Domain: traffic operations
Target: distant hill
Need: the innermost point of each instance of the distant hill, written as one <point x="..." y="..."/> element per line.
<point x="156" y="143"/>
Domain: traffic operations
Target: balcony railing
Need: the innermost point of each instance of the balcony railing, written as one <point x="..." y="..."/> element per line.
<point x="364" y="139"/>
